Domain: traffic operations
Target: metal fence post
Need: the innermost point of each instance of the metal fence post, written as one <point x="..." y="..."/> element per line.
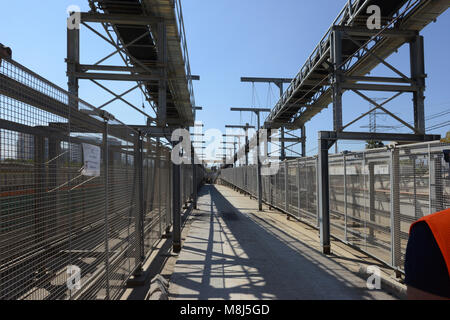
<point x="395" y="207"/>
<point x="371" y="199"/>
<point x="298" y="187"/>
<point x="158" y="171"/>
<point x="106" y="173"/>
<point x="345" y="199"/>
<point x="194" y="179"/>
<point x="317" y="194"/>
<point x="286" y="186"/>
<point x="324" y="196"/>
<point x="139" y="231"/>
<point x="176" y="206"/>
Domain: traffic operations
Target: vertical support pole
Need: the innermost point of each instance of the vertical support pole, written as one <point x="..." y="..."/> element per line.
<point x="395" y="207"/>
<point x="246" y="145"/>
<point x="282" y="151"/>
<point x="160" y="182"/>
<point x="303" y="141"/>
<point x="418" y="75"/>
<point x="106" y="174"/>
<point x="298" y="188"/>
<point x="286" y="186"/>
<point x="258" y="157"/>
<point x="371" y="166"/>
<point x="162" y="87"/>
<point x="317" y="193"/>
<point x="345" y="199"/>
<point x="169" y="200"/>
<point x="140" y="214"/>
<point x="73" y="61"/>
<point x="176" y="206"/>
<point x="417" y="211"/>
<point x="336" y="56"/>
<point x="324" y="195"/>
<point x="194" y="179"/>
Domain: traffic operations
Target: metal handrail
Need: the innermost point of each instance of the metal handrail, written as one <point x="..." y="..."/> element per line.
<point x="184" y="48"/>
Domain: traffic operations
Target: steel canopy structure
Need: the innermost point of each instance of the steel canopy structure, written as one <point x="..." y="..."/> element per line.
<point x="311" y="90"/>
<point x="150" y="38"/>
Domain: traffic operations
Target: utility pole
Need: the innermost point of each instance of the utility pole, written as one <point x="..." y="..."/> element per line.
<point x="279" y="82"/>
<point x="257" y="111"/>
<point x="246" y="128"/>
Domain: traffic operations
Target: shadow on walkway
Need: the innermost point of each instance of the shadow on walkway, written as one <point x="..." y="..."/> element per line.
<point x="234" y="255"/>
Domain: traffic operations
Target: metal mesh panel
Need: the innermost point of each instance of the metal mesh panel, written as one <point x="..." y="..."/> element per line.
<point x="53" y="216"/>
<point x="375" y="195"/>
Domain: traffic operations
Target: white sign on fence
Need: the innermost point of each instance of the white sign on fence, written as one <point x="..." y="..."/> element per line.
<point x="91" y="155"/>
<point x="353" y="170"/>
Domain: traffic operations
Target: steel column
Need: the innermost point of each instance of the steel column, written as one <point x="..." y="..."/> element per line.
<point x="336" y="59"/>
<point x="162" y="91"/>
<point x="418" y="75"/>
<point x="286" y="186"/>
<point x="73" y="60"/>
<point x="194" y="179"/>
<point x="298" y="187"/>
<point x="324" y="196"/>
<point x="303" y="141"/>
<point x="258" y="157"/>
<point x="106" y="214"/>
<point x="176" y="206"/>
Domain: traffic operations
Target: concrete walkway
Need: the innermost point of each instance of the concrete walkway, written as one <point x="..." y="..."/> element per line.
<point x="234" y="252"/>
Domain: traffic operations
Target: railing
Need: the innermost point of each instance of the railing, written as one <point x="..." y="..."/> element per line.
<point x="53" y="214"/>
<point x="184" y="48"/>
<point x="348" y="15"/>
<point x="375" y="195"/>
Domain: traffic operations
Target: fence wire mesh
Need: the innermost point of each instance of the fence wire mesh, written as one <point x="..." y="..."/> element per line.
<point x="375" y="195"/>
<point x="53" y="215"/>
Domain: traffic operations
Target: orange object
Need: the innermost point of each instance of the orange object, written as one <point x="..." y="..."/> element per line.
<point x="439" y="224"/>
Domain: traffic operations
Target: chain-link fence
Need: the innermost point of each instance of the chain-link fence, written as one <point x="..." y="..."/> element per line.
<point x="83" y="197"/>
<point x="375" y="195"/>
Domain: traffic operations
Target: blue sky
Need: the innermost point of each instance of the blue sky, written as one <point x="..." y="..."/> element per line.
<point x="228" y="39"/>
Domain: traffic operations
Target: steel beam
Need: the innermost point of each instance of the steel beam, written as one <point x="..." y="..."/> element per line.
<point x="121" y="19"/>
<point x="115" y="76"/>
<point x="365" y="32"/>
<point x="399" y="137"/>
<point x="418" y="75"/>
<point x="266" y="80"/>
<point x="162" y="88"/>
<point x="73" y="60"/>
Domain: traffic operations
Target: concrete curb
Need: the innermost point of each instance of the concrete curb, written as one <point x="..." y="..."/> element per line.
<point x="159" y="289"/>
<point x="388" y="284"/>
